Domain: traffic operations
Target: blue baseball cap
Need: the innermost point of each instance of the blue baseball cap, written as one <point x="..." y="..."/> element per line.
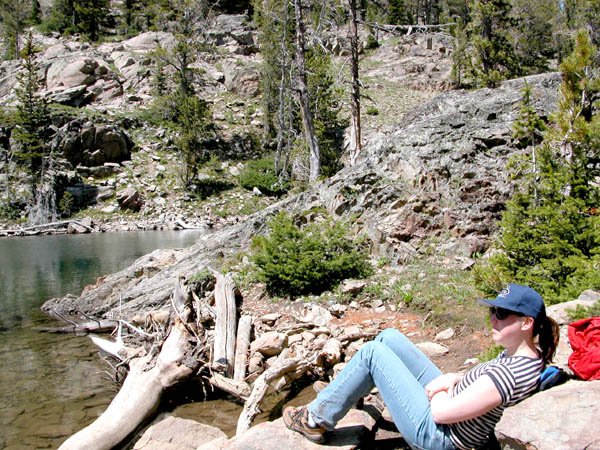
<point x="521" y="299"/>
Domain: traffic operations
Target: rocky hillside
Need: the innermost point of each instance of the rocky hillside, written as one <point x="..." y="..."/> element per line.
<point x="124" y="172"/>
<point x="411" y="196"/>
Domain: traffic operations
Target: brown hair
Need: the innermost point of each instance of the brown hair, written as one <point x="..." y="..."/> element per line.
<point x="548" y="335"/>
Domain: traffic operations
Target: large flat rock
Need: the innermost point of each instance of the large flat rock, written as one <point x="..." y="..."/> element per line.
<point x="174" y="433"/>
<point x="565" y="417"/>
<point x="275" y="436"/>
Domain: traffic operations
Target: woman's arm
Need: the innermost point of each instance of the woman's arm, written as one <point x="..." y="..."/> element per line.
<point x="445" y="382"/>
<point x="478" y="398"/>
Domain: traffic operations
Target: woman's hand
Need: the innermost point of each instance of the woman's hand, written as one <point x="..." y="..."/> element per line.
<point x="445" y="382"/>
<point x="478" y="398"/>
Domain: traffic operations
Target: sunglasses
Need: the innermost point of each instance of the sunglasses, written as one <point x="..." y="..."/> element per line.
<point x="502" y="313"/>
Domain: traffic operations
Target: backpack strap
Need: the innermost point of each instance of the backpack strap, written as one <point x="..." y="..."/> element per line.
<point x="552" y="376"/>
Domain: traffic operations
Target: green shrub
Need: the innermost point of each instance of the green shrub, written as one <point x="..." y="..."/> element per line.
<point x="260" y="174"/>
<point x="372" y="111"/>
<point x="11" y="210"/>
<point x="309" y="260"/>
<point x="207" y="187"/>
<point x="66" y="204"/>
<point x="581" y="312"/>
<point x="371" y="42"/>
<point x="491" y="353"/>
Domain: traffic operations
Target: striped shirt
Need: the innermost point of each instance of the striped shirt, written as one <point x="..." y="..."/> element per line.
<point x="516" y="378"/>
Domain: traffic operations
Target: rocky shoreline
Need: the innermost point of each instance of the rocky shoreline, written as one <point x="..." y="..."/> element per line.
<point x="170" y="222"/>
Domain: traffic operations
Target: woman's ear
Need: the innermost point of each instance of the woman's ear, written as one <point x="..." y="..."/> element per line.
<point x="528" y="323"/>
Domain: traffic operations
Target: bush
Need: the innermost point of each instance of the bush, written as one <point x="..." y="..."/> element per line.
<point x="260" y="174"/>
<point x="11" y="210"/>
<point x="297" y="261"/>
<point x="582" y="312"/>
<point x="371" y="42"/>
<point x="66" y="205"/>
<point x="207" y="187"/>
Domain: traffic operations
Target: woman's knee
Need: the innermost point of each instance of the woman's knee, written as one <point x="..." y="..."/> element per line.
<point x="371" y="349"/>
<point x="390" y="335"/>
<point x="397" y="342"/>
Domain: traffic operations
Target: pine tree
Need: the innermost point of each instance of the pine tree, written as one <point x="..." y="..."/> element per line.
<point x="535" y="22"/>
<point x="32" y="120"/>
<point x="281" y="81"/>
<point x="183" y="110"/>
<point x="552" y="242"/>
<point x="61" y="17"/>
<point x="35" y="16"/>
<point x="91" y="15"/>
<point x="398" y="13"/>
<point x="490" y="29"/>
<point x="528" y="132"/>
<point x="461" y="63"/>
<point x="78" y="16"/>
<point x="14" y="17"/>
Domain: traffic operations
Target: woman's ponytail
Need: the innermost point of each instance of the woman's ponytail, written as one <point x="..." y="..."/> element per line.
<point x="548" y="334"/>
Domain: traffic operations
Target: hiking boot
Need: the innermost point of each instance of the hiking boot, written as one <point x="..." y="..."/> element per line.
<point x="296" y="419"/>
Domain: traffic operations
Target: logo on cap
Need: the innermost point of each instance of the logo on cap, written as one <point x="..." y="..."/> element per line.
<point x="504" y="292"/>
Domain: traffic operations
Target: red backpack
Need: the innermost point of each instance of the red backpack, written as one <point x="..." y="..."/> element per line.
<point x="584" y="336"/>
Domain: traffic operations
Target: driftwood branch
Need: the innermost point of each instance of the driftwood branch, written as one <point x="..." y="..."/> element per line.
<point x="46" y="227"/>
<point x="140" y="394"/>
<point x="406" y="29"/>
<point x="239" y="389"/>
<point x="83" y="327"/>
<point x="282" y="366"/>
<point x="242" y="343"/>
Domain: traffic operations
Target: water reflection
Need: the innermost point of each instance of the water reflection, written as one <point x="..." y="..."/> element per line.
<point x="53" y="385"/>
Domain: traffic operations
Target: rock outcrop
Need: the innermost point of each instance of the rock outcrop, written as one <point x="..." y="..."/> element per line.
<point x="117" y="75"/>
<point x="562" y="418"/>
<point x="84" y="143"/>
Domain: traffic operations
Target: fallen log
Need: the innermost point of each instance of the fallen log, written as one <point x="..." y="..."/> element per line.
<point x="45" y="227"/>
<point x="148" y="377"/>
<point x="102" y="325"/>
<point x="241" y="348"/>
<point x="239" y="389"/>
<point x="282" y="366"/>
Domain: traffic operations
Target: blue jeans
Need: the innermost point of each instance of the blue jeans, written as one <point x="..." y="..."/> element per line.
<point x="400" y="371"/>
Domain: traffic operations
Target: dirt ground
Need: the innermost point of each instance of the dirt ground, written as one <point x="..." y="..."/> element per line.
<point x="464" y="345"/>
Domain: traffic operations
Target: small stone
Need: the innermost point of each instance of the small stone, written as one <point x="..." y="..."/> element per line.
<point x="270" y="344"/>
<point x="352" y="286"/>
<point x="470" y="362"/>
<point x="432" y="349"/>
<point x="448" y="333"/>
<point x="110" y="209"/>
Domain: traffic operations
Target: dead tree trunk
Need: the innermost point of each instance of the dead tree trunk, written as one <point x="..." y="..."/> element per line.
<point x="303" y="96"/>
<point x="355" y="96"/>
<point x="225" y="327"/>
<point x="282" y="366"/>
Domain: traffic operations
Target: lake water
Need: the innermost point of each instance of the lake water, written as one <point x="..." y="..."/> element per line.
<point x="52" y="385"/>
